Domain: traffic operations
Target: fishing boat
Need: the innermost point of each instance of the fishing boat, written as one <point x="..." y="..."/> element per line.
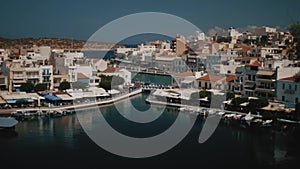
<point x="8" y="122"/>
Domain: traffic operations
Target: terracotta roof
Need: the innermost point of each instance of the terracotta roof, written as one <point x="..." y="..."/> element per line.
<point x="185" y="74"/>
<point x="230" y="78"/>
<point x="246" y="48"/>
<point x="193" y="53"/>
<point x="81" y="76"/>
<point x="212" y="78"/>
<point x="111" y="69"/>
<point x="256" y="64"/>
<point x="292" y="79"/>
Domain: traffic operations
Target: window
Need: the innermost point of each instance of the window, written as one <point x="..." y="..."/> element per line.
<point x="297" y="100"/>
<point x="296" y="87"/>
<point x="290" y="86"/>
<point x="283" y="98"/>
<point x="283" y="86"/>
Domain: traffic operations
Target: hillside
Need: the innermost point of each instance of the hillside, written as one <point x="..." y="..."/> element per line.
<point x="54" y="43"/>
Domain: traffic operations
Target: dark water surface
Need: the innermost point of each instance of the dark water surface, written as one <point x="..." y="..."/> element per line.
<point x="62" y="143"/>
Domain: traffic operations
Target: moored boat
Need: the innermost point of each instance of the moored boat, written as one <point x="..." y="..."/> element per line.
<point x="8" y="122"/>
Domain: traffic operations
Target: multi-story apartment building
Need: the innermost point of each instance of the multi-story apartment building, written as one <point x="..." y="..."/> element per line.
<point x="288" y="89"/>
<point x="170" y="64"/>
<point x="17" y="74"/>
<point x="266" y="83"/>
<point x="46" y="72"/>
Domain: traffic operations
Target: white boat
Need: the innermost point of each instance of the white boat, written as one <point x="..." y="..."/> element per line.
<point x="221" y="113"/>
<point x="267" y="122"/>
<point x="8" y="122"/>
<point x="249" y="117"/>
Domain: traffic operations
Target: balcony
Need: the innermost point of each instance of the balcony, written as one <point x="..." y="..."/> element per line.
<point x="19" y="81"/>
<point x="18" y="77"/>
<point x="33" y="77"/>
<point x="249" y="81"/>
<point x="46" y="74"/>
<point x="265" y="89"/>
<point x="289" y="91"/>
<point x="266" y="79"/>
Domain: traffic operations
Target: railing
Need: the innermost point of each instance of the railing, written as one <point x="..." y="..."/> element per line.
<point x="266" y="79"/>
<point x="31" y="77"/>
<point x="46" y="74"/>
<point x="18" y="77"/>
<point x="262" y="88"/>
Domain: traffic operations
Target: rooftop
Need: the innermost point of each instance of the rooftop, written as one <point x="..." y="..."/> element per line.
<point x="111" y="70"/>
<point x="82" y="76"/>
<point x="291" y="79"/>
<point x="184" y="74"/>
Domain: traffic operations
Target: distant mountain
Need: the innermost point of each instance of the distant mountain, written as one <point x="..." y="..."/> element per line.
<point x="54" y="43"/>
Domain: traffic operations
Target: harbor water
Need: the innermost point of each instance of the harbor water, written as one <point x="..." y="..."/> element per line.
<point x="62" y="143"/>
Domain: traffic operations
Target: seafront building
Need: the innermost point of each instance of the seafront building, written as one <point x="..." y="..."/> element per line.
<point x="234" y="63"/>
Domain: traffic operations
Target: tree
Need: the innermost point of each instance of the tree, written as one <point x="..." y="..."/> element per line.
<point x="239" y="100"/>
<point x="79" y="85"/>
<point x="230" y="95"/>
<point x="204" y="93"/>
<point x="40" y="87"/>
<point x="64" y="85"/>
<point x="108" y="81"/>
<point x="255" y="104"/>
<point x="224" y="39"/>
<point x="27" y="87"/>
<point x="117" y="80"/>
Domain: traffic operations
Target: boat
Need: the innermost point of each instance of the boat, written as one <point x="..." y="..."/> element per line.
<point x="8" y="122"/>
<point x="221" y="113"/>
<point x="267" y="123"/>
<point x="248" y="117"/>
<point x="237" y="116"/>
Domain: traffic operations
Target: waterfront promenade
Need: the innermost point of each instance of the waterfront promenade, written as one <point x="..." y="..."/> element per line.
<point x="77" y="105"/>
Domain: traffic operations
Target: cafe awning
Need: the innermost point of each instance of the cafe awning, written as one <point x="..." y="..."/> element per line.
<point x="266" y="73"/>
<point x="65" y="97"/>
<point x="52" y="97"/>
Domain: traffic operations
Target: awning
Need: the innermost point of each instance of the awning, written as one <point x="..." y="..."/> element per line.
<point x="11" y="101"/>
<point x="52" y="98"/>
<point x="65" y="97"/>
<point x="266" y="73"/>
<point x="22" y="101"/>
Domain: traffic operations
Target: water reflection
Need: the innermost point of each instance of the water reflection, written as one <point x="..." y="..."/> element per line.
<point x="232" y="146"/>
<point x="7" y="134"/>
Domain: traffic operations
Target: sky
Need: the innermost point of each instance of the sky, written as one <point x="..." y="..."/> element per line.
<point x="80" y="19"/>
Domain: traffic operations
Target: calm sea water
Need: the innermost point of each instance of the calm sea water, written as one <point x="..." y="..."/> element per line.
<point x="62" y="143"/>
<point x="103" y="54"/>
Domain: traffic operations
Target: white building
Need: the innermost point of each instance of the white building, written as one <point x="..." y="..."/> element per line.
<point x="267" y="52"/>
<point x="170" y="64"/>
<point x="47" y="75"/>
<point x="288" y="89"/>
